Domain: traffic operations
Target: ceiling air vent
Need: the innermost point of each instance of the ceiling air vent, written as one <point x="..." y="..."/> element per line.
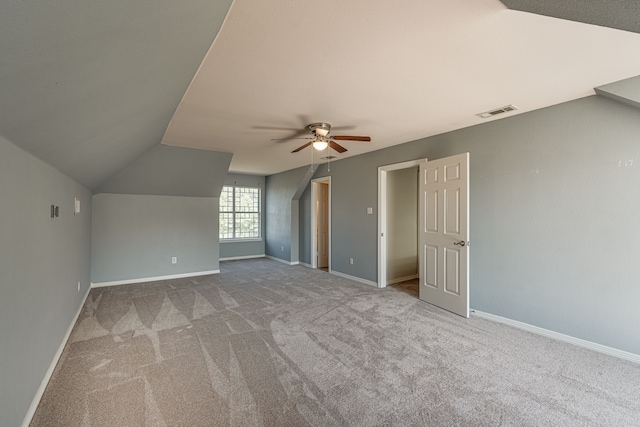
<point x="497" y="111"/>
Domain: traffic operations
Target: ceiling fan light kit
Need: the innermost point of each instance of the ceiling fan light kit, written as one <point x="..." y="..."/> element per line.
<point x="320" y="145"/>
<point x="321" y="138"/>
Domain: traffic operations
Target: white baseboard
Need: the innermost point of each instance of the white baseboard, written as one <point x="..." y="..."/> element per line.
<point x="153" y="279"/>
<point x="402" y="279"/>
<point x="47" y="376"/>
<point x="282" y="260"/>
<point x="632" y="357"/>
<point x="305" y="264"/>
<point x="357" y="279"/>
<point x="233" y="258"/>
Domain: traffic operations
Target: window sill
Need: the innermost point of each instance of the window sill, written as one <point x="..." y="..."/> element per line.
<point x="240" y="240"/>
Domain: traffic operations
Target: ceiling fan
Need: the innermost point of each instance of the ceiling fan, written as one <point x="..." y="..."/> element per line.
<point x="321" y="138"/>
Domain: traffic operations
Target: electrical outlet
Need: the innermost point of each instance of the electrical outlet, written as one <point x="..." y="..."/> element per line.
<point x="174" y="260"/>
<point x="351" y="261"/>
<point x="78" y="286"/>
<point x="282" y="248"/>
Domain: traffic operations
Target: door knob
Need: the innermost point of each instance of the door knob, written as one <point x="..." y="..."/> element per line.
<point x="460" y="243"/>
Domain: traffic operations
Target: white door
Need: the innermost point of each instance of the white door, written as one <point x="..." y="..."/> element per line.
<point x="444" y="233"/>
<point x="323" y="225"/>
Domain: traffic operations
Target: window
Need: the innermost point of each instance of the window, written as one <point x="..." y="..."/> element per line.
<point x="239" y="213"/>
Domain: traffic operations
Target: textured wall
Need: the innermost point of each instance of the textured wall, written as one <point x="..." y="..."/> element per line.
<point x="553" y="216"/>
<point x="41" y="261"/>
<point x="135" y="237"/>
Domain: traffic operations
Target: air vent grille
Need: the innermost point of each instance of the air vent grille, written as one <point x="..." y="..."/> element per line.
<point x="501" y="110"/>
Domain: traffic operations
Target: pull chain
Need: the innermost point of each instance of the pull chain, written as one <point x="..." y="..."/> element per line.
<point x="312" y="158"/>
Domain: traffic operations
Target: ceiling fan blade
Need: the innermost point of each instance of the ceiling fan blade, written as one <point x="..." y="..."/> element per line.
<point x="302" y="147"/>
<point x="351" y="138"/>
<point x="339" y="148"/>
<point x="293" y="133"/>
<point x="274" y="128"/>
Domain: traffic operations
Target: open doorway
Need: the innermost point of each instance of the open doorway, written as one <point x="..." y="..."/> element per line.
<point x="398" y="197"/>
<point x="321" y="223"/>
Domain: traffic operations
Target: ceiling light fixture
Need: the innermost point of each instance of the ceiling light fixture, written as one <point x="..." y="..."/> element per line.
<point x="319" y="144"/>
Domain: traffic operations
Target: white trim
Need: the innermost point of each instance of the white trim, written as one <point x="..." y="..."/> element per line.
<point x="354" y="278"/>
<point x="382" y="215"/>
<point x="251" y="239"/>
<point x="47" y="376"/>
<point x="282" y="260"/>
<point x="621" y="354"/>
<point x="233" y="258"/>
<point x="314" y="220"/>
<point x="402" y="279"/>
<point x="152" y="279"/>
<point x="305" y="264"/>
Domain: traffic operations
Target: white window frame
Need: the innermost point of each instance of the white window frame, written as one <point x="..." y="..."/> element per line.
<point x="233" y="213"/>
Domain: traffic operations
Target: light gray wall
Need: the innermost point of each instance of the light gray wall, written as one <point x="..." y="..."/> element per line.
<point x="282" y="193"/>
<point x="553" y="216"/>
<point x="41" y="261"/>
<point x="402" y="223"/>
<point x="164" y="204"/>
<point x="353" y="231"/>
<point x="135" y="236"/>
<point x="172" y="171"/>
<point x="249" y="248"/>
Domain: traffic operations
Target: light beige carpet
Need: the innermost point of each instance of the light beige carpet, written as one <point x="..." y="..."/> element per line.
<point x="266" y="344"/>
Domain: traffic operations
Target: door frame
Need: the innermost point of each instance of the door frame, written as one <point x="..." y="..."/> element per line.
<point x="314" y="219"/>
<point x="383" y="216"/>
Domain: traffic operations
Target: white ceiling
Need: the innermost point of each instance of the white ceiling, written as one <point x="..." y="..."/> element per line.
<point x="396" y="71"/>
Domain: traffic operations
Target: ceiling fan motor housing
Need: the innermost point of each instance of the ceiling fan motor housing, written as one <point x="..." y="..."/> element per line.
<point x="320" y="129"/>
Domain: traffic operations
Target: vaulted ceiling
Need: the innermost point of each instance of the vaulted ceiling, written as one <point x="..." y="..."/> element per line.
<point x="89" y="87"/>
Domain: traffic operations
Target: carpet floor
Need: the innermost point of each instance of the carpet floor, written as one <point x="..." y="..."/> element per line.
<point x="267" y="344"/>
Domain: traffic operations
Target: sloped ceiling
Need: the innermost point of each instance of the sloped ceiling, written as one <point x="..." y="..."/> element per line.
<point x="626" y="91"/>
<point x="89" y="86"/>
<point x="620" y="14"/>
<point x="171" y="171"/>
